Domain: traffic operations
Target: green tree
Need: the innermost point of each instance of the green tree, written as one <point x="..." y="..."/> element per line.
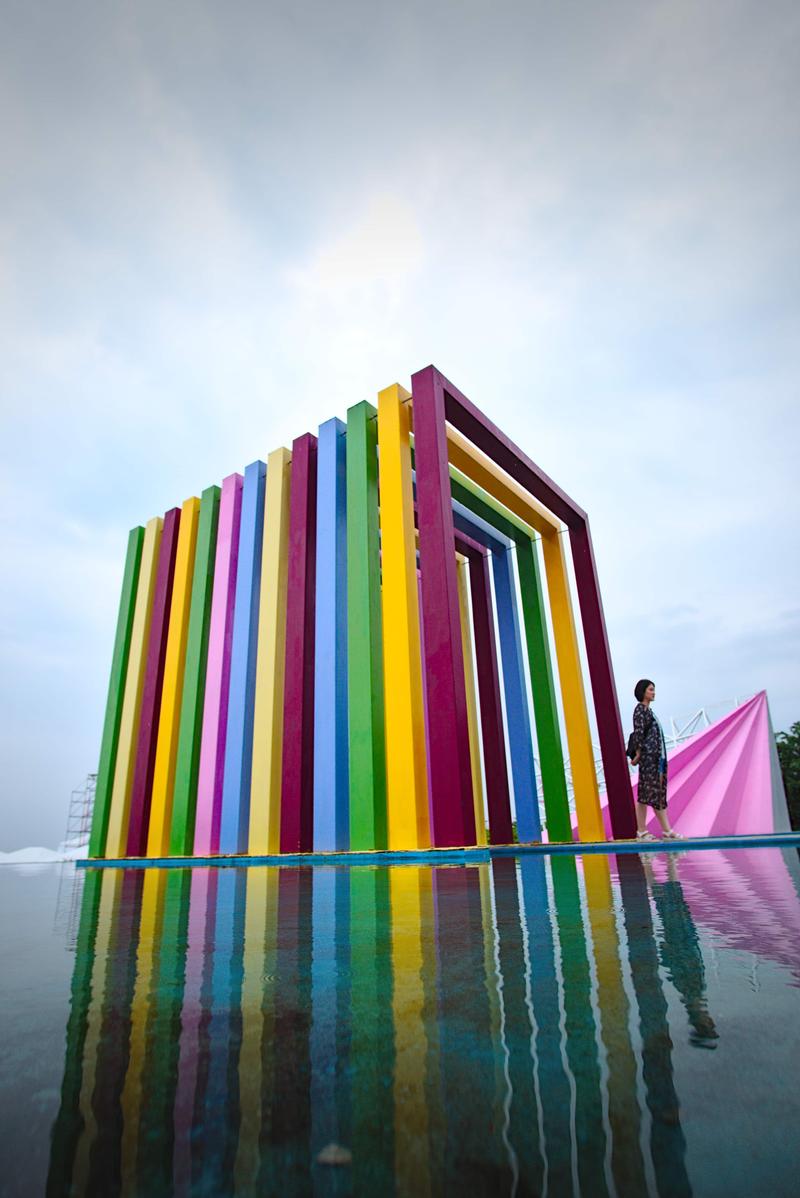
<point x="789" y="753"/>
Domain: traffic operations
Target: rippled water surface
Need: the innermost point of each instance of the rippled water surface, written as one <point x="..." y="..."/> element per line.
<point x="606" y="1025"/>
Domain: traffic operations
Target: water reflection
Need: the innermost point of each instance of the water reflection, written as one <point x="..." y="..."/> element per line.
<point x="501" y="1027"/>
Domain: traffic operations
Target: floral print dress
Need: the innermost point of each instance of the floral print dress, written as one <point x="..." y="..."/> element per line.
<point x="648" y="738"/>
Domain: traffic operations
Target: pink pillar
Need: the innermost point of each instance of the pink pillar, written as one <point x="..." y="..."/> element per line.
<point x="218" y="671"/>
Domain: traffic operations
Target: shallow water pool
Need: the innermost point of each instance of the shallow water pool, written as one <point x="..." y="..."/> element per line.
<point x="598" y="1025"/>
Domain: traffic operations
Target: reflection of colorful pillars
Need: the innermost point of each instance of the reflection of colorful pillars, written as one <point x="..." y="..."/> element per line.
<point x="235" y="819"/>
<point x="194" y="679"/>
<point x="412" y="1175"/>
<point x="116" y="690"/>
<point x="582" y="1054"/>
<point x="624" y="1115"/>
<point x="286" y="1166"/>
<point x="549" y="1059"/>
<point x="218" y="671"/>
<point x="461" y="968"/>
<point x="112" y="1057"/>
<point x="372" y="1057"/>
<point x="331" y="781"/>
<point x="200" y="936"/>
<point x="667" y="1142"/>
<point x="68" y="1124"/>
<point x="259" y="937"/>
<point x="326" y="1125"/>
<point x="162" y="1055"/>
<point x="132" y="1095"/>
<point x="221" y="1035"/>
<point x="522" y="1121"/>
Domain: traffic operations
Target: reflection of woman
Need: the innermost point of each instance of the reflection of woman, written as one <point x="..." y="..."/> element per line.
<point x="680" y="953"/>
<point x="651" y="757"/>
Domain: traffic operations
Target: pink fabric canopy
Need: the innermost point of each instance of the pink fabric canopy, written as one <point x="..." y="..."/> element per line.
<point x="726" y="780"/>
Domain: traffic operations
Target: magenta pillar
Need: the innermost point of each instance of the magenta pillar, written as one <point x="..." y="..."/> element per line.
<point x="297" y="774"/>
<point x="469" y="420"/>
<point x="142" y="786"/>
<point x="451" y="776"/>
<point x="498" y="798"/>
<point x="218" y="671"/>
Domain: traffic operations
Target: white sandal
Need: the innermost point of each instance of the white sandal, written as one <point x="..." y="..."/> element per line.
<point x="672" y="835"/>
<point x="645" y="836"/>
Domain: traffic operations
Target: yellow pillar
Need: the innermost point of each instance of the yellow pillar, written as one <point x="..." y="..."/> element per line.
<point x="110" y="885"/>
<point x="131" y="1100"/>
<point x="265" y="784"/>
<point x="504" y="490"/>
<point x="410" y="1041"/>
<point x="406" y="774"/>
<point x="172" y="687"/>
<point x="256" y="1007"/>
<point x="472" y="705"/>
<point x="579" y="737"/>
<point x="116" y="840"/>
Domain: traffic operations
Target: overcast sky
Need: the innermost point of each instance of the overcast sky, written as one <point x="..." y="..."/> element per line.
<point x="221" y="224"/>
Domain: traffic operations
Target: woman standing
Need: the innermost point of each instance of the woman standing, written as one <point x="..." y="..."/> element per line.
<point x="651" y="757"/>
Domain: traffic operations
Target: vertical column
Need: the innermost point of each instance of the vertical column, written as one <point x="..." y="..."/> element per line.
<point x="579" y="1025"/>
<point x="331" y="767"/>
<point x="412" y="1164"/>
<point x="68" y="1125"/>
<point x="472" y="705"/>
<point x="601" y="672"/>
<point x="406" y="767"/>
<point x="172" y="691"/>
<point x="551" y="757"/>
<point x="451" y="778"/>
<point x="624" y="1115"/>
<point x="364" y="636"/>
<point x="117" y="835"/>
<point x="142" y="788"/>
<point x="265" y="784"/>
<point x="235" y="821"/>
<point x="373" y="1057"/>
<point x="218" y="671"/>
<point x="498" y="799"/>
<point x="526" y="800"/>
<point x="573" y="697"/>
<point x="116" y="690"/>
<point x="194" y="679"/>
<point x="297" y="775"/>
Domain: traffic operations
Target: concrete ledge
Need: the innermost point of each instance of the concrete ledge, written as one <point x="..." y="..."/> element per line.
<point x="465" y="856"/>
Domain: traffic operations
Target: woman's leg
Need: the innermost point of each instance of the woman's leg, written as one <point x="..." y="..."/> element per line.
<point x="663" y="819"/>
<point x="641" y="817"/>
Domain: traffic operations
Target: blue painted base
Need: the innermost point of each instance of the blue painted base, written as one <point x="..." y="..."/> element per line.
<point x="454" y="856"/>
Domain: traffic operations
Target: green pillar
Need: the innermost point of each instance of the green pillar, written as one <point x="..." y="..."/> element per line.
<point x="116" y="689"/>
<point x="187" y="760"/>
<point x="364" y="634"/>
<point x="551" y="757"/>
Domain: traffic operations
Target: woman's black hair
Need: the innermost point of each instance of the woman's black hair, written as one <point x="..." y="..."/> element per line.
<point x="641" y="687"/>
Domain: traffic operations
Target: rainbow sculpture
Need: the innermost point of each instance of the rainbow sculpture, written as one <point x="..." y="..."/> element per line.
<point x="332" y="651"/>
